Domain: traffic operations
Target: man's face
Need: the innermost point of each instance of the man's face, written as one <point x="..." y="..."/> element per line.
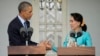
<point x="27" y="13"/>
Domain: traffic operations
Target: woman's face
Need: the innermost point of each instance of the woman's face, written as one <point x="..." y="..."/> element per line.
<point x="74" y="24"/>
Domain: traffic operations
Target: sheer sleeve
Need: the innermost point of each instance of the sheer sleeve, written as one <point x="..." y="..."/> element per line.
<point x="65" y="42"/>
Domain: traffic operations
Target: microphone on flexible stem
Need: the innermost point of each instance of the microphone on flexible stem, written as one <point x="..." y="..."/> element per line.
<point x="23" y="32"/>
<point x="26" y="33"/>
<point x="29" y="31"/>
<point x="72" y="34"/>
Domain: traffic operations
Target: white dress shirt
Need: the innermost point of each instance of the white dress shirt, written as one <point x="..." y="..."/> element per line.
<point x="21" y="19"/>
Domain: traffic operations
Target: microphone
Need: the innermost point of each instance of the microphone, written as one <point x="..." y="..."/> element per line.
<point x="72" y="34"/>
<point x="79" y="34"/>
<point x="23" y="32"/>
<point x="29" y="31"/>
<point x="26" y="33"/>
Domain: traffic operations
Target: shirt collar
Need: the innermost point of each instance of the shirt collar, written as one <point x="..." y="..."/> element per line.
<point x="21" y="19"/>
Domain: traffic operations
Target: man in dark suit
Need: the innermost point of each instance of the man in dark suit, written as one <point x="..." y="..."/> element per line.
<point x="25" y="13"/>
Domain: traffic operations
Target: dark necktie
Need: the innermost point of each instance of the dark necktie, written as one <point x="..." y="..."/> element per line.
<point x="26" y="24"/>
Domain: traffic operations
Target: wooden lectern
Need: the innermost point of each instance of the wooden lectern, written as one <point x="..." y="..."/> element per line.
<point x="76" y="51"/>
<point x="26" y="50"/>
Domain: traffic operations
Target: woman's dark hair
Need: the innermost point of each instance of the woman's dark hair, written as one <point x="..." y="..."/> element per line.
<point x="78" y="17"/>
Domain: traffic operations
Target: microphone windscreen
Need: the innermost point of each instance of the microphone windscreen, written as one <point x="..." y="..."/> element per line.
<point x="79" y="34"/>
<point x="72" y="34"/>
<point x="30" y="29"/>
<point x="22" y="30"/>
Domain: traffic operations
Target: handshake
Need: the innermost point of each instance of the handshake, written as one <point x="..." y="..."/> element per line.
<point x="45" y="44"/>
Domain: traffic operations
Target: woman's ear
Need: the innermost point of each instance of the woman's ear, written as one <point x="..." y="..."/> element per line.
<point x="79" y="23"/>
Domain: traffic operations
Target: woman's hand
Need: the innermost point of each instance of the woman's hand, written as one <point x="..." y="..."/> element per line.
<point x="73" y="44"/>
<point x="45" y="44"/>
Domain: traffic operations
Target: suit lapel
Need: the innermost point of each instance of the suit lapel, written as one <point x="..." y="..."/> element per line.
<point x="19" y="22"/>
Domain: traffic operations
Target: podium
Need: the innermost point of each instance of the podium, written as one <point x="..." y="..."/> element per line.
<point x="26" y="51"/>
<point x="76" y="51"/>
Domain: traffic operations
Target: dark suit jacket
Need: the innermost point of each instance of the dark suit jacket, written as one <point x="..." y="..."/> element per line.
<point x="15" y="38"/>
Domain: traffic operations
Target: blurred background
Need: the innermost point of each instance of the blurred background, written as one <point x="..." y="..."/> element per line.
<point x="51" y="20"/>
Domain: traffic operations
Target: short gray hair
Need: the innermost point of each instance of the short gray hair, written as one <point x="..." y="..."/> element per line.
<point x="23" y="5"/>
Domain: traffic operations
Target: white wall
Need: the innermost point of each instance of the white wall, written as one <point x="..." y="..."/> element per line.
<point x="90" y="9"/>
<point x="8" y="11"/>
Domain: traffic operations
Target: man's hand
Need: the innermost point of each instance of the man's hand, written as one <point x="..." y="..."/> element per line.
<point x="45" y="44"/>
<point x="48" y="45"/>
<point x="41" y="44"/>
